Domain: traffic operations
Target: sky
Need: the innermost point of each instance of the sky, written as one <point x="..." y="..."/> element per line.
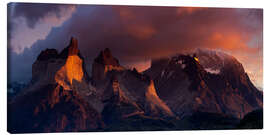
<point x="134" y="34"/>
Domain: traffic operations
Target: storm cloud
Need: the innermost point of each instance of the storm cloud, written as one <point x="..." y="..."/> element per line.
<point x="36" y="12"/>
<point x="29" y="22"/>
<point x="137" y="34"/>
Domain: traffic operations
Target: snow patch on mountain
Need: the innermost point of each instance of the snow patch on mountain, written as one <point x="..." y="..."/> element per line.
<point x="213" y="59"/>
<point x="179" y="62"/>
<point x="212" y="71"/>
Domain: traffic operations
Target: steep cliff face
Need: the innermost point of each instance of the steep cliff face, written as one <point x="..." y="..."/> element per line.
<point x="73" y="67"/>
<point x="127" y="108"/>
<point x="65" y="68"/>
<point x="155" y="105"/>
<point x="118" y="105"/>
<point x="132" y="88"/>
<point x="142" y="90"/>
<point x="46" y="66"/>
<point x="58" y="97"/>
<point x="104" y="63"/>
<point x="62" y="68"/>
<point x="180" y="84"/>
<point x="187" y="86"/>
<point x="237" y="90"/>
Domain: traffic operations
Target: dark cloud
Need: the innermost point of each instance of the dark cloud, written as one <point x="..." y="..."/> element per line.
<point x="34" y="12"/>
<point x="137" y="34"/>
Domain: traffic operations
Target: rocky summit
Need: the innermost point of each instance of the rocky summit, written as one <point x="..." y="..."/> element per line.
<point x="202" y="90"/>
<point x="55" y="101"/>
<point x="185" y="83"/>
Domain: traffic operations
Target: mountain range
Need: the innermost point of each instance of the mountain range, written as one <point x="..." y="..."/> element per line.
<point x="204" y="90"/>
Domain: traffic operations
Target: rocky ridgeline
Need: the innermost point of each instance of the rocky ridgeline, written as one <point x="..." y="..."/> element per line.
<point x="168" y="96"/>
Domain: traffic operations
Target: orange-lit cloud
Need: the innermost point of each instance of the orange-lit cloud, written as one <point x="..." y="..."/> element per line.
<point x="232" y="41"/>
<point x="188" y="10"/>
<point x="133" y="25"/>
<point x="140" y="65"/>
<point x="137" y="34"/>
<point x="141" y="32"/>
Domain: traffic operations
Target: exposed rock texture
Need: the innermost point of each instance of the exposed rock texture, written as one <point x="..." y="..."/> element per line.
<point x="207" y="90"/>
<point x="130" y="88"/>
<point x="141" y="90"/>
<point x="73" y="68"/>
<point x="154" y="103"/>
<point x="58" y="98"/>
<point x="184" y="84"/>
<point x="104" y="63"/>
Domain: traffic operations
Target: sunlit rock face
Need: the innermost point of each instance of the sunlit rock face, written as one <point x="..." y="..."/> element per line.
<point x="59" y="98"/>
<point x="126" y="89"/>
<point x="154" y="103"/>
<point x="73" y="68"/>
<point x="62" y="68"/>
<point x="140" y="89"/>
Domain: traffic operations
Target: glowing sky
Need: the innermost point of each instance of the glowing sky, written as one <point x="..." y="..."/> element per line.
<point x="135" y="35"/>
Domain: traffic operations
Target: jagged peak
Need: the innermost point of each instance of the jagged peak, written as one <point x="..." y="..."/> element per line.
<point x="69" y="66"/>
<point x="73" y="46"/>
<point x="105" y="57"/>
<point x="107" y="53"/>
<point x="71" y="49"/>
<point x="102" y="64"/>
<point x="73" y="68"/>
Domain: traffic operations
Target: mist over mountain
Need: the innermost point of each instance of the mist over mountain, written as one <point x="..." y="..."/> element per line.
<point x="204" y="90"/>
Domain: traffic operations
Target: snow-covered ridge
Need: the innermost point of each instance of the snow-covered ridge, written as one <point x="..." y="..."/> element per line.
<point x="213" y="60"/>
